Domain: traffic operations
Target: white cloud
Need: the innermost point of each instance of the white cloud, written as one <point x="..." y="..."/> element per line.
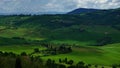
<point x="54" y="5"/>
<point x="99" y="4"/>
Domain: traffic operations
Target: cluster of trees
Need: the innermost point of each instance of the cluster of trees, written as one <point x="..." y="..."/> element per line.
<point x="11" y="54"/>
<point x="116" y="27"/>
<point x="104" y="41"/>
<point x="54" y="50"/>
<point x="11" y="60"/>
<point x="13" y="40"/>
<point x="19" y="40"/>
<point x="65" y="64"/>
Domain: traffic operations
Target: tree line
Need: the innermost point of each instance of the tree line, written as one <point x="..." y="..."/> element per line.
<point x="52" y="50"/>
<point x="11" y="60"/>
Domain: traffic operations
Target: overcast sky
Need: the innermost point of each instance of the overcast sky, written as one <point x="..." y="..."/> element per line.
<point x="10" y="6"/>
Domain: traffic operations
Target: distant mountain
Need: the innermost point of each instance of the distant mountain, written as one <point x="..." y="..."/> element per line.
<point x="82" y="10"/>
<point x="31" y="13"/>
<point x="42" y="13"/>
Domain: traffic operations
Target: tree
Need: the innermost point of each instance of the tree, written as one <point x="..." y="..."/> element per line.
<point x="86" y="66"/>
<point x="70" y="62"/>
<point x="72" y="66"/>
<point x="1" y="52"/>
<point x="12" y="54"/>
<point x="89" y="65"/>
<point x="96" y="66"/>
<point x="32" y="58"/>
<point x="103" y="67"/>
<point x="36" y="50"/>
<point x="114" y="66"/>
<point x="48" y="63"/>
<point x="69" y="49"/>
<point x="61" y="66"/>
<point x="60" y="61"/>
<point x="104" y="41"/>
<point x="18" y="63"/>
<point x="23" y="54"/>
<point x="65" y="60"/>
<point x="5" y="54"/>
<point x="80" y="64"/>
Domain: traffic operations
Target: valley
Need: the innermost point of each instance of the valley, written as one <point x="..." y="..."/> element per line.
<point x="92" y="37"/>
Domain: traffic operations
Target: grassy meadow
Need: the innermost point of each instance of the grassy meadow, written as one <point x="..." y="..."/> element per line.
<point x="106" y="55"/>
<point x="18" y="49"/>
<point x="103" y="55"/>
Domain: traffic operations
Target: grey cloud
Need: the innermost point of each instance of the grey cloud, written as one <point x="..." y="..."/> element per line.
<point x="30" y="6"/>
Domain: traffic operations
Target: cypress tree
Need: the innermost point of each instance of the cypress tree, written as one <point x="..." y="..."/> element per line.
<point x="18" y="63"/>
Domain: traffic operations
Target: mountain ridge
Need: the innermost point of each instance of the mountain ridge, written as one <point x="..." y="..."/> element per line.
<point x="83" y="10"/>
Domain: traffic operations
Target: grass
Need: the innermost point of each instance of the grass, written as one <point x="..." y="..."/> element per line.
<point x="102" y="55"/>
<point x="94" y="55"/>
<point x="70" y="35"/>
<point x="13" y="32"/>
<point x="72" y="42"/>
<point x="20" y="48"/>
<point x="105" y="55"/>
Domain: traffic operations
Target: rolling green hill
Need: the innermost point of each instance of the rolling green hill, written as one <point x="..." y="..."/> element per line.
<point x="81" y="28"/>
<point x="94" y="37"/>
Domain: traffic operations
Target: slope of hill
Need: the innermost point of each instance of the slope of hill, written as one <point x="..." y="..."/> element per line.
<point x="82" y="10"/>
<point x="86" y="29"/>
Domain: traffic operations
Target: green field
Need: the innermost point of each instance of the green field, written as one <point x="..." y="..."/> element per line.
<point x="103" y="55"/>
<point x="18" y="49"/>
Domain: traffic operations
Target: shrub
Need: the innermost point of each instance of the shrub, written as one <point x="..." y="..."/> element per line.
<point x="23" y="54"/>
